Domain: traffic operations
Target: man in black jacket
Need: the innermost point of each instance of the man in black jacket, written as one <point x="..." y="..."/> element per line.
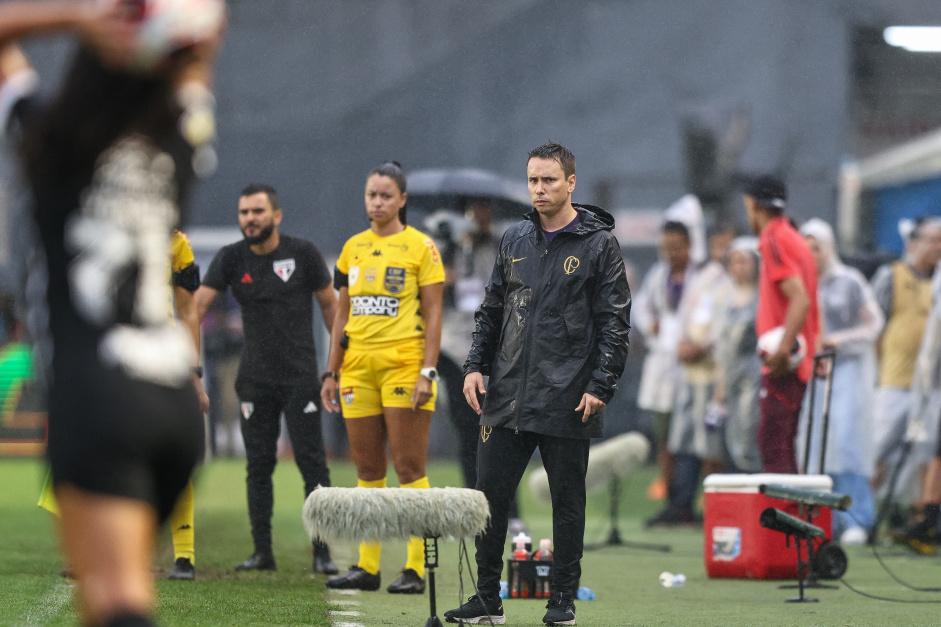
<point x="552" y="336"/>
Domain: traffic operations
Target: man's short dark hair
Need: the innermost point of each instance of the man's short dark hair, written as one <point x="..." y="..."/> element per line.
<point x="558" y="153"/>
<point x="769" y="192"/>
<point x="677" y="228"/>
<point x="260" y="188"/>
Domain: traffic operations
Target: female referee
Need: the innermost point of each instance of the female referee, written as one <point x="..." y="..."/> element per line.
<point x="107" y="163"/>
<point x="386" y="334"/>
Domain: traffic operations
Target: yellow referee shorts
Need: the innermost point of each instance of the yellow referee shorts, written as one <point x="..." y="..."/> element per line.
<point x="379" y="375"/>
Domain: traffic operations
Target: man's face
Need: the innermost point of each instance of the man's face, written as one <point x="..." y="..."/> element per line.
<point x="257" y="219"/>
<point x="751" y="213"/>
<point x="926" y="249"/>
<point x="549" y="188"/>
<point x="675" y="250"/>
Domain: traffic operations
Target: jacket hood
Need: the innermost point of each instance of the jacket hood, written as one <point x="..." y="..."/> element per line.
<point x="593" y="219"/>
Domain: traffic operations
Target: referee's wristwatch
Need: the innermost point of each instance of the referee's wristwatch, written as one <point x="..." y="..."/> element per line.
<point x="429" y="373"/>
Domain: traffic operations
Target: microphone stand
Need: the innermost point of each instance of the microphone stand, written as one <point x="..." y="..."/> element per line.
<point x="614" y="535"/>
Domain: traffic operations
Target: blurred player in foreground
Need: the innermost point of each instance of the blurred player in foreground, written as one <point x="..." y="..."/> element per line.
<point x="184" y="277"/>
<point x="108" y="163"/>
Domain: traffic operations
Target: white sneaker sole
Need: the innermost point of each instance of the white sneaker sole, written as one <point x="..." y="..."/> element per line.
<point x="563" y="622"/>
<point x="482" y="620"/>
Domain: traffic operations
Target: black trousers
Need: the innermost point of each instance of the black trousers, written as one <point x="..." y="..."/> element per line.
<point x="261" y="409"/>
<point x="502" y="456"/>
<point x="466" y="425"/>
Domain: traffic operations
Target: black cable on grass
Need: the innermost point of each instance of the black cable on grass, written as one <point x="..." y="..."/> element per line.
<point x="891" y="600"/>
<point x="897" y="578"/>
<point x="462" y="553"/>
<point x="886" y="568"/>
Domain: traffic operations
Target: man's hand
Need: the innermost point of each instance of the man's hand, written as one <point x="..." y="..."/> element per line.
<point x="201" y="394"/>
<point x="589" y="404"/>
<point x="328" y="395"/>
<point x="474" y="383"/>
<point x="421" y="393"/>
<point x="779" y="364"/>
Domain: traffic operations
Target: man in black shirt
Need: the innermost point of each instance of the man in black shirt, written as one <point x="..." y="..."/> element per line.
<point x="273" y="278"/>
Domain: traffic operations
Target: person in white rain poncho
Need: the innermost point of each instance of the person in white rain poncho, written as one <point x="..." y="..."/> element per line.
<point x="656" y="314"/>
<point x="852" y="321"/>
<point x="738" y="367"/>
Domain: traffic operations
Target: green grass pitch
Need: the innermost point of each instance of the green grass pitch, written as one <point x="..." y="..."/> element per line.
<point x="625" y="580"/>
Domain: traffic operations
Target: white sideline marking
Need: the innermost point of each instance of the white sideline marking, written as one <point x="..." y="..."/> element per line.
<point x="51" y="605"/>
<point x="346" y="602"/>
<point x="348" y="625"/>
<point x="341" y="613"/>
<point x="349" y="592"/>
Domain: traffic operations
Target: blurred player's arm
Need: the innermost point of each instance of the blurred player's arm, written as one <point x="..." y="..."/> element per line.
<point x="104" y="27"/>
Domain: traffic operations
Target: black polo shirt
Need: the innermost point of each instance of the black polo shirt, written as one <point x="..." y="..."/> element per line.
<point x="276" y="294"/>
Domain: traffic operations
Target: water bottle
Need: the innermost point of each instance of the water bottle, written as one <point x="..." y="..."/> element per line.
<point x="504" y="590"/>
<point x="669" y="580"/>
<point x="543" y="581"/>
<point x="519" y="587"/>
<point x="585" y="594"/>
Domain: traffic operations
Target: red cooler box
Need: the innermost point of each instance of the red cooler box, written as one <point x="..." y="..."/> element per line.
<point x="735" y="545"/>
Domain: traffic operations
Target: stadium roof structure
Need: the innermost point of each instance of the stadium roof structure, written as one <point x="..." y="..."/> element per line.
<point x="916" y="160"/>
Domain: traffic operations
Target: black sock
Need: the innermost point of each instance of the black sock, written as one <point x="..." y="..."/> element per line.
<point x="129" y="620"/>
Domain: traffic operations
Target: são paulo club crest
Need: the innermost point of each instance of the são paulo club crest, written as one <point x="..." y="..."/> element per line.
<point x="348" y="396"/>
<point x="284" y="269"/>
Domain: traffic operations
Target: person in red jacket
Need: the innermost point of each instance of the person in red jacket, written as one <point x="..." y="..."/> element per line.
<point x="787" y="296"/>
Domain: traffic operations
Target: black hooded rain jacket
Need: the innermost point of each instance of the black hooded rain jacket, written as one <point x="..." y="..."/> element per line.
<point x="553" y="325"/>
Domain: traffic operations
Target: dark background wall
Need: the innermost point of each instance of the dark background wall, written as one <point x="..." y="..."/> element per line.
<point x="313" y="93"/>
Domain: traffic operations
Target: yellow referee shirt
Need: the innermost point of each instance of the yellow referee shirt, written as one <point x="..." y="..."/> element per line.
<point x="383" y="277"/>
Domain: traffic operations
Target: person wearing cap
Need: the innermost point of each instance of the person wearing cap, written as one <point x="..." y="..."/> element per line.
<point x="787" y="297"/>
<point x="903" y="291"/>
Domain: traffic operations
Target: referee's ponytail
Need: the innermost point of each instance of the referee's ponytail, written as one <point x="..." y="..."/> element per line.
<point x="393" y="169"/>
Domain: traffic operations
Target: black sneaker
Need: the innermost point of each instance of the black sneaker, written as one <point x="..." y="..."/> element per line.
<point x="355" y="579"/>
<point x="559" y="611"/>
<point x="183" y="570"/>
<point x="670" y="517"/>
<point x="408" y="583"/>
<point x="258" y="561"/>
<point x="921" y="536"/>
<point x="478" y="612"/>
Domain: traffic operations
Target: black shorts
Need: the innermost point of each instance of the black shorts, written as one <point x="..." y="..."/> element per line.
<point x="110" y="434"/>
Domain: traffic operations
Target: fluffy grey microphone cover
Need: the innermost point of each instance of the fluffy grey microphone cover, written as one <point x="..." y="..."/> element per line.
<point x="377" y="514"/>
<point x="615" y="458"/>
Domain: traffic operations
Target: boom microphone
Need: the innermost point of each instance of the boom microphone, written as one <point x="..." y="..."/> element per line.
<point x="379" y="514"/>
<point x="612" y="459"/>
